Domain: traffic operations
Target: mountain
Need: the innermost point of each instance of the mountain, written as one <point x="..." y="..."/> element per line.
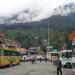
<point x="63" y="19"/>
<point x="65" y="10"/>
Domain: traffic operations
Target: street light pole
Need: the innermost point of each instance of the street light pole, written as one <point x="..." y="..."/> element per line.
<point x="48" y="37"/>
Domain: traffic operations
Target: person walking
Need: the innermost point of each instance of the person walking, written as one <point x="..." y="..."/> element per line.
<point x="40" y="59"/>
<point x="45" y="58"/>
<point x="35" y="59"/>
<point x="59" y="65"/>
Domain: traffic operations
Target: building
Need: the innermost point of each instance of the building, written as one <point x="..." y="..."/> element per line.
<point x="4" y="42"/>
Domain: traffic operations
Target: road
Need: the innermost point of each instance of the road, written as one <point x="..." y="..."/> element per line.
<point x="43" y="68"/>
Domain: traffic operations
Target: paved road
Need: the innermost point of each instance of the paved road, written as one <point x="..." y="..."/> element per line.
<point x="44" y="68"/>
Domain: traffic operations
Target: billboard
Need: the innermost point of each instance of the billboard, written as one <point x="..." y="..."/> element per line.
<point x="71" y="36"/>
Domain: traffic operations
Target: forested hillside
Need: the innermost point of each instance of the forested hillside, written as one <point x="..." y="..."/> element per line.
<point x="29" y="38"/>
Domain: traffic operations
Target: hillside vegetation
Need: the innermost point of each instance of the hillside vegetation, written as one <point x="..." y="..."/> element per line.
<point x="30" y="38"/>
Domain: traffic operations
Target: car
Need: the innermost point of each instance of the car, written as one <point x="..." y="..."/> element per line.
<point x="23" y="58"/>
<point x="27" y="58"/>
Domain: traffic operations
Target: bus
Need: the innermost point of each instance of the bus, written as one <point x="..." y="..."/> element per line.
<point x="73" y="65"/>
<point x="52" y="55"/>
<point x="66" y="58"/>
<point x="73" y="59"/>
<point x="9" y="56"/>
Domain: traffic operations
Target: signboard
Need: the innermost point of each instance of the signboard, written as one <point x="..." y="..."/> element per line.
<point x="71" y="36"/>
<point x="55" y="50"/>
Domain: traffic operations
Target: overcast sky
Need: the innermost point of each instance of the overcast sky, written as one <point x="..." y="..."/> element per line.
<point x="43" y="7"/>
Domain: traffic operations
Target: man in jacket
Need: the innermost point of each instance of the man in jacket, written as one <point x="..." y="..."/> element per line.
<point x="59" y="65"/>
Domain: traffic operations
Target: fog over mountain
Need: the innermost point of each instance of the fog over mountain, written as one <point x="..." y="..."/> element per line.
<point x="65" y="10"/>
<point x="27" y="16"/>
<point x="63" y="18"/>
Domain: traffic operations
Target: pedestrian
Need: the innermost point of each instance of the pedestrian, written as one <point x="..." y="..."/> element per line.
<point x="35" y="58"/>
<point x="40" y="59"/>
<point x="24" y="59"/>
<point x="45" y="59"/>
<point x="30" y="60"/>
<point x="59" y="65"/>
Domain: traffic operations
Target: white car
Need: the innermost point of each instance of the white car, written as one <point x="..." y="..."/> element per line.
<point x="25" y="58"/>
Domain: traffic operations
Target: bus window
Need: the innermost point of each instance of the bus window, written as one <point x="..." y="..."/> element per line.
<point x="69" y="54"/>
<point x="7" y="53"/>
<point x="66" y="54"/>
<point x="18" y="54"/>
<point x="73" y="54"/>
<point x="1" y="52"/>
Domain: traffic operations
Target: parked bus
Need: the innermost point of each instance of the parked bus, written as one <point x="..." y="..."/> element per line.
<point x="73" y="58"/>
<point x="9" y="56"/>
<point x="73" y="65"/>
<point x="52" y="55"/>
<point x="66" y="58"/>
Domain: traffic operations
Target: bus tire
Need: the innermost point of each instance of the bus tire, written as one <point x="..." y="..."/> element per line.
<point x="68" y="65"/>
<point x="18" y="63"/>
<point x="10" y="65"/>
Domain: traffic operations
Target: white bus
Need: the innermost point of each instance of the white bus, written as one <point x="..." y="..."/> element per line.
<point x="66" y="58"/>
<point x="73" y="61"/>
<point x="52" y="56"/>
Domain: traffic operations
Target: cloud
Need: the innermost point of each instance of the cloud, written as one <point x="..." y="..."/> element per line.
<point x="13" y="6"/>
<point x="43" y="7"/>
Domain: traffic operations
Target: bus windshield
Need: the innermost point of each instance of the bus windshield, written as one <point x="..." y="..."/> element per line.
<point x="66" y="54"/>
